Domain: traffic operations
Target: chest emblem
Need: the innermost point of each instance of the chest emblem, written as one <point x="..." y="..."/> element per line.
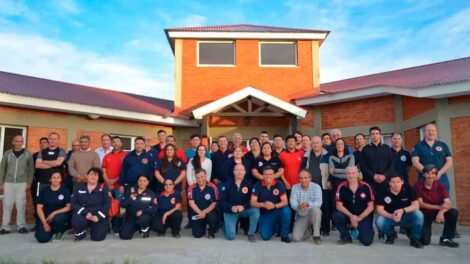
<point x="245" y="190"/>
<point x="439" y="148"/>
<point x="207" y="196"/>
<point x="403" y="158"/>
<point x="61" y="197"/>
<point x="145" y="161"/>
<point x="276" y="192"/>
<point x="388" y="200"/>
<point x="173" y="200"/>
<point x="363" y="195"/>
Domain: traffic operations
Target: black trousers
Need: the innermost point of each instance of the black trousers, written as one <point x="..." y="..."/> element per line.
<point x="134" y="223"/>
<point x="36" y="188"/>
<point x="200" y="225"/>
<point x="98" y="231"/>
<point x="173" y="221"/>
<point x="326" y="211"/>
<point x="450" y="225"/>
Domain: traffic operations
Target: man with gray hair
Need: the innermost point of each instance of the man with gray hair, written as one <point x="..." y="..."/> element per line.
<point x="16" y="175"/>
<point x="83" y="160"/>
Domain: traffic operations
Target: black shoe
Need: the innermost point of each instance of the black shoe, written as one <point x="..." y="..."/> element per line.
<point x="252" y="238"/>
<point x="188" y="226"/>
<point x="23" y="230"/>
<point x="448" y="243"/>
<point x="285" y="239"/>
<point x="325" y="233"/>
<point x="33" y="229"/>
<point x="146" y="234"/>
<point x="404" y="231"/>
<point x="391" y="239"/>
<point x="415" y="243"/>
<point x="160" y="234"/>
<point x="4" y="232"/>
<point x="176" y="235"/>
<point x="381" y="235"/>
<point x="344" y="240"/>
<point x="79" y="238"/>
<point x="457" y="234"/>
<point x="210" y="236"/>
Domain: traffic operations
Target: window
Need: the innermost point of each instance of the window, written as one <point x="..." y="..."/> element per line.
<point x="278" y="54"/>
<point x="245" y="142"/>
<point x="386" y="139"/>
<point x="220" y="53"/>
<point x="127" y="142"/>
<point x="7" y="133"/>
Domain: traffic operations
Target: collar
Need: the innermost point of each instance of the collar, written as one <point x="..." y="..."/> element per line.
<point x="88" y="150"/>
<point x="374" y="145"/>
<point x="164" y="193"/>
<point x="273" y="183"/>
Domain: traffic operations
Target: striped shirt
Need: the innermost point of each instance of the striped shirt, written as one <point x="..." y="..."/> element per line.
<point x="313" y="195"/>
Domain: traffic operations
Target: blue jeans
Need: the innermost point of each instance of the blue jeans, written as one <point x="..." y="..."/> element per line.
<point x="230" y="221"/>
<point x="413" y="220"/>
<point x="268" y="222"/>
<point x="366" y="231"/>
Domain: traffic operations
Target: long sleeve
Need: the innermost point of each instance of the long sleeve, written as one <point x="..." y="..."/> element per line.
<point x="367" y="172"/>
<point x="223" y="199"/>
<point x="190" y="173"/>
<point x="96" y="161"/>
<point x="152" y="208"/>
<point x="3" y="168"/>
<point x="106" y="203"/>
<point x="76" y="206"/>
<point x="30" y="169"/>
<point x="294" y="203"/>
<point x="317" y="197"/>
<point x="122" y="177"/>
<point x="391" y="162"/>
<point x="208" y="168"/>
<point x="71" y="163"/>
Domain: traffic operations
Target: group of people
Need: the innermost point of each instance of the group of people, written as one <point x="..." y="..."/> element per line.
<point x="294" y="187"/>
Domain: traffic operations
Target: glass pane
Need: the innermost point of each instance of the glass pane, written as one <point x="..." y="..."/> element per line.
<point x="10" y="133"/>
<point x="278" y="54"/>
<point x="217" y="53"/>
<point x="126" y="143"/>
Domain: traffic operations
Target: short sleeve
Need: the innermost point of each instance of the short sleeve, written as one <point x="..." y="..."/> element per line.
<point x="282" y="190"/>
<point x="67" y="195"/>
<point x="41" y="198"/>
<point x="415" y="151"/>
<point x="39" y="155"/>
<point x="254" y="190"/>
<point x="158" y="166"/>
<point x="62" y="153"/>
<point x="413" y="195"/>
<point x="448" y="153"/>
<point x="178" y="198"/>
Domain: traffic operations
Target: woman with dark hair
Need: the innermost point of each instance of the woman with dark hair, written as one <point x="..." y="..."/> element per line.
<point x="338" y="162"/>
<point x="169" y="213"/>
<point x="140" y="205"/>
<point x="266" y="159"/>
<point x="200" y="161"/>
<point x="90" y="205"/>
<point x="233" y="161"/>
<point x="255" y="150"/>
<point x="170" y="167"/>
<point x="53" y="209"/>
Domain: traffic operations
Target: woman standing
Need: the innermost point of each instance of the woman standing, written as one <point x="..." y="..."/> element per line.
<point x="254" y="152"/>
<point x="90" y="204"/>
<point x="169" y="213"/>
<point x="141" y="205"/>
<point x="53" y="209"/>
<point x="338" y="162"/>
<point x="266" y="159"/>
<point x="232" y="162"/>
<point x="170" y="167"/>
<point x="198" y="162"/>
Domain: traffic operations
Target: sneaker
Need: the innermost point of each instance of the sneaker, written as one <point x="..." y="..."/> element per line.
<point x="210" y="236"/>
<point x="58" y="237"/>
<point x="285" y="239"/>
<point x="4" y="232"/>
<point x="317" y="240"/>
<point x="448" y="243"/>
<point x="415" y="243"/>
<point x="23" y="230"/>
<point x="251" y="238"/>
<point x="146" y="234"/>
<point x="391" y="239"/>
<point x="344" y="240"/>
<point x="79" y="238"/>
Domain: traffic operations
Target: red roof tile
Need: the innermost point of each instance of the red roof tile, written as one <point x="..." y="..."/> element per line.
<point x="17" y="84"/>
<point x="246" y="28"/>
<point x="415" y="77"/>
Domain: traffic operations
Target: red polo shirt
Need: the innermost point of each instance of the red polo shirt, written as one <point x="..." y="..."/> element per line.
<point x="292" y="162"/>
<point x="434" y="196"/>
<point x="112" y="162"/>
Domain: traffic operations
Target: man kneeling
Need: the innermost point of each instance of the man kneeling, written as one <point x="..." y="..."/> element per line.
<point x="306" y="200"/>
<point x="270" y="196"/>
<point x="354" y="205"/>
<point x="235" y="202"/>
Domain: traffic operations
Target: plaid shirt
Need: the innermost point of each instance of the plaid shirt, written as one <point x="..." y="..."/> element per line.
<point x="313" y="195"/>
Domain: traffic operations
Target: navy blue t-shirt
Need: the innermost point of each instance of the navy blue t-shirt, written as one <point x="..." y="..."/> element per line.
<point x="435" y="154"/>
<point x="53" y="200"/>
<point x="171" y="172"/>
<point x="166" y="203"/>
<point x="273" y="194"/>
<point x="402" y="163"/>
<point x="205" y="197"/>
<point x="260" y="163"/>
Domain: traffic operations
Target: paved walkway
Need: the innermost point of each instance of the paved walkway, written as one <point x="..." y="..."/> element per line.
<point x="190" y="250"/>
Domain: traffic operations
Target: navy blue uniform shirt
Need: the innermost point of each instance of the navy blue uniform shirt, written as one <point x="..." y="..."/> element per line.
<point x="232" y="195"/>
<point x="260" y="163"/>
<point x="96" y="202"/>
<point x="205" y="197"/>
<point x="402" y="163"/>
<point x="146" y="201"/>
<point x="171" y="172"/>
<point x="229" y="165"/>
<point x="166" y="203"/>
<point x="392" y="202"/>
<point x="218" y="160"/>
<point x="435" y="154"/>
<point x="135" y="165"/>
<point x="53" y="200"/>
<point x="355" y="202"/>
<point x="273" y="194"/>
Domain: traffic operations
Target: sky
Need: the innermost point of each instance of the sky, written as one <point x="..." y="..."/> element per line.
<point x="121" y="45"/>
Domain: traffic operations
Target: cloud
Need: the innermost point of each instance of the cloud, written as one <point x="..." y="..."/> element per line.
<point x="12" y="8"/>
<point x="47" y="58"/>
<point x="67" y="6"/>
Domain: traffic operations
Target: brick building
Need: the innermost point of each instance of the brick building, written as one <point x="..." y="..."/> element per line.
<point x="249" y="78"/>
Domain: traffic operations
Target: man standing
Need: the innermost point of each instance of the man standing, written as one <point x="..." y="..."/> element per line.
<point x="360" y="140"/>
<point x="16" y="175"/>
<point x="112" y="163"/>
<point x="306" y="200"/>
<point x="83" y="160"/>
<point x="292" y="160"/>
<point x="190" y="153"/>
<point x="237" y="141"/>
<point x="137" y="162"/>
<point x="263" y="137"/>
<point x="316" y="163"/>
<point x="435" y="152"/>
<point x="354" y="205"/>
<point x="398" y="205"/>
<point x="270" y="196"/>
<point x="305" y="143"/>
<point x="401" y="157"/>
<point x="43" y="144"/>
<point x="219" y="158"/>
<point x="377" y="161"/>
<point x="105" y="147"/>
<point x="278" y="145"/>
<point x="161" y="141"/>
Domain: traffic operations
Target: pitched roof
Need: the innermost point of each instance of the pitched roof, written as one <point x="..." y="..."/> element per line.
<point x="439" y="73"/>
<point x="246" y="28"/>
<point x="16" y="84"/>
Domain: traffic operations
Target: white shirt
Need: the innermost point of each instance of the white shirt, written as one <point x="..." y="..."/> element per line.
<point x="101" y="153"/>
<point x="190" y="171"/>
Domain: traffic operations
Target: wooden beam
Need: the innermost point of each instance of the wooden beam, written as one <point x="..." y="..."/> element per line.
<point x="238" y="108"/>
<point x="250" y="105"/>
<point x="248" y="114"/>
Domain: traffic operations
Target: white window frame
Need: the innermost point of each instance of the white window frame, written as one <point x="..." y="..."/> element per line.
<point x="2" y="135"/>
<point x="127" y="136"/>
<point x="382" y="138"/>
<point x="279" y="65"/>
<point x="217" y="65"/>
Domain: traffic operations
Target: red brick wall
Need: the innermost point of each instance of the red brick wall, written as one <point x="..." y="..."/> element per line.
<point x="201" y="84"/>
<point x="459" y="99"/>
<point x="361" y="112"/>
<point x="33" y="134"/>
<point x="460" y="129"/>
<point x="309" y="120"/>
<point x="414" y="106"/>
<point x="411" y="138"/>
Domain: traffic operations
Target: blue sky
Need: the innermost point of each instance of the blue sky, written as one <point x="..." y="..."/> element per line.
<point x="121" y="44"/>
